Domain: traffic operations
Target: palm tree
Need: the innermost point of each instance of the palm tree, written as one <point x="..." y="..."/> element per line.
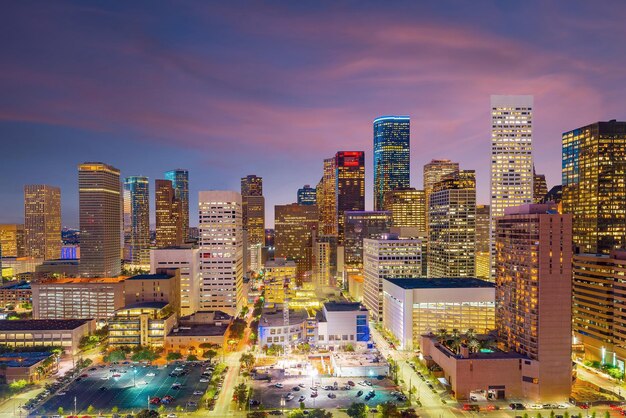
<point x="470" y="333"/>
<point x="474" y="345"/>
<point x="442" y="334"/>
<point x="456" y="339"/>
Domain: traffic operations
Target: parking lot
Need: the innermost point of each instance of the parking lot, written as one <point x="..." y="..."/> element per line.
<point x="129" y="387"/>
<point x="269" y="395"/>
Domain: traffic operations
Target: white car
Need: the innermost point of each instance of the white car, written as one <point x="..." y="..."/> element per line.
<point x="289" y="397"/>
<point x="172" y="416"/>
<point x="106" y="377"/>
<point x="203" y="380"/>
<point x="142" y="382"/>
<point x="278" y="385"/>
<point x="535" y="406"/>
<point x="151" y="374"/>
<point x="198" y="393"/>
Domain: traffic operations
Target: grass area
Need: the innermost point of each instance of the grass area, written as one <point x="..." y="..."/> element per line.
<point x="212" y="388"/>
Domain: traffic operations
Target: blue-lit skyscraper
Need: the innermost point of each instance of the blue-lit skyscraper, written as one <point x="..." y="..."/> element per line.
<point x="137" y="220"/>
<point x="391" y="156"/>
<point x="307" y="195"/>
<point x="180" y="183"/>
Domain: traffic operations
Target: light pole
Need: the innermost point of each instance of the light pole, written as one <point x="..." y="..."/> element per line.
<point x="282" y="404"/>
<point x="74" y="405"/>
<point x="134" y="376"/>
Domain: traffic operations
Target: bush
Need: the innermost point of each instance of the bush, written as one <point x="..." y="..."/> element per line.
<point x="175" y="355"/>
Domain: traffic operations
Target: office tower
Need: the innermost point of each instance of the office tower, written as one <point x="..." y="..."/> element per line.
<point x="100" y="220"/>
<point x="512" y="178"/>
<point x="253" y="214"/>
<point x="294" y="227"/>
<point x="391" y="156"/>
<point x="187" y="260"/>
<point x="169" y="215"/>
<point x="407" y="207"/>
<point x="452" y="217"/>
<point x="137" y="219"/>
<point x="42" y="221"/>
<point x="307" y="195"/>
<point x="321" y="265"/>
<point x="180" y="183"/>
<point x="540" y="187"/>
<point x="327" y="198"/>
<point x="482" y="251"/>
<point x="359" y="226"/>
<point x="594" y="189"/>
<point x="12" y="240"/>
<point x="221" y="251"/>
<point x="388" y="258"/>
<point x="349" y="186"/>
<point x="534" y="296"/>
<point x="434" y="172"/>
<point x="279" y="276"/>
<point x="555" y="195"/>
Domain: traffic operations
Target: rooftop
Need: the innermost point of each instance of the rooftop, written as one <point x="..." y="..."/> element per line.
<point x="199" y="330"/>
<point x="343" y="306"/>
<point x="145" y="305"/>
<point x="273" y="317"/>
<point x="158" y="276"/>
<point x="441" y="283"/>
<point x="23" y="359"/>
<point x="82" y="280"/>
<point x="16" y="286"/>
<point x="41" y="324"/>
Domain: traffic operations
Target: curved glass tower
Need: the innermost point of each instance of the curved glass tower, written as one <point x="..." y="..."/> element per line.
<point x="391" y="156"/>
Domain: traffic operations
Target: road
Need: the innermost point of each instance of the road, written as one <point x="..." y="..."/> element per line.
<point x="600" y="380"/>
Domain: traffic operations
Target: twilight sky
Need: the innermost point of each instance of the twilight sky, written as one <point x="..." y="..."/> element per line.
<point x="227" y="89"/>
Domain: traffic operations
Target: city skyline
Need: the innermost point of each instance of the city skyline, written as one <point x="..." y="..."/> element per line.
<point x="419" y="67"/>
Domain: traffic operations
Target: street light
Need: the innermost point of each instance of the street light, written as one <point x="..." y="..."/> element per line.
<point x="134" y="376"/>
<point x="282" y="404"/>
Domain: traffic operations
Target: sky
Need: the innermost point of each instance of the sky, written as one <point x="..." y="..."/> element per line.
<point x="227" y="89"/>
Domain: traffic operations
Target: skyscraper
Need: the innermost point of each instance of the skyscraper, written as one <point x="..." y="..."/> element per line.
<point x="391" y="156"/>
<point x="359" y="226"/>
<point x="137" y="219"/>
<point x="169" y="216"/>
<point x="180" y="183"/>
<point x="452" y="217"/>
<point x="349" y="186"/>
<point x="327" y="198"/>
<point x="534" y="296"/>
<point x="307" y="195"/>
<point x="434" y="172"/>
<point x="540" y="187"/>
<point x="512" y="177"/>
<point x="294" y="227"/>
<point x="483" y="253"/>
<point x="42" y="221"/>
<point x="221" y="251"/>
<point x="594" y="188"/>
<point x="100" y="207"/>
<point x="253" y="214"/>
<point x="12" y="240"/>
<point x="407" y="207"/>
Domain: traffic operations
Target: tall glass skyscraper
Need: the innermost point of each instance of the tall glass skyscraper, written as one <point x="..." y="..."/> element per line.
<point x="137" y="219"/>
<point x="391" y="156"/>
<point x="180" y="183"/>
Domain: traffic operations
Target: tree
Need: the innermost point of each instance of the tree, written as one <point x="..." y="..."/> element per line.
<point x="474" y="345"/>
<point x="192" y="357"/>
<point x="237" y="328"/>
<point x="161" y="409"/>
<point x="607" y="414"/>
<point x="144" y="355"/>
<point x="91" y="409"/>
<point x="349" y="348"/>
<point x="115" y="410"/>
<point x="147" y="413"/>
<point x="257" y="414"/>
<point x="320" y="413"/>
<point x="60" y="410"/>
<point x="389" y="410"/>
<point x="357" y="410"/>
<point x="179" y="408"/>
<point x="209" y="354"/>
<point x="442" y="334"/>
<point x="115" y="355"/>
<point x="174" y="355"/>
<point x="240" y="395"/>
<point x="245" y="310"/>
<point x="274" y="350"/>
<point x="247" y="360"/>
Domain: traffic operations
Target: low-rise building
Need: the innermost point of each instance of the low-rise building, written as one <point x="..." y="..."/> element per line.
<point x="193" y="331"/>
<point x="57" y="268"/>
<point x="15" y="294"/>
<point x="29" y="366"/>
<point x="413" y="307"/>
<point x="142" y="324"/>
<point x="46" y="333"/>
<point x="273" y="328"/>
<point x="162" y="286"/>
<point x="342" y="323"/>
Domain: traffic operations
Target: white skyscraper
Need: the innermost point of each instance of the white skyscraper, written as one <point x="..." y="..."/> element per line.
<point x="511" y="156"/>
<point x="187" y="260"/>
<point x="221" y="251"/>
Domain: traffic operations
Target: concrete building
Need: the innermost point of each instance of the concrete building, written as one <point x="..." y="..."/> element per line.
<point x="46" y="333"/>
<point x="187" y="260"/>
<point x="137" y="220"/>
<point x="452" y="229"/>
<point x="434" y="172"/>
<point x="100" y="210"/>
<point x="50" y="269"/>
<point x="512" y="179"/>
<point x="169" y="215"/>
<point x="413" y="307"/>
<point x="204" y="327"/>
<point x="180" y="182"/>
<point x="24" y="366"/>
<point x="540" y="187"/>
<point x="482" y="241"/>
<point x="342" y="323"/>
<point x="15" y="294"/>
<point x="534" y="296"/>
<point x="253" y="217"/>
<point x="392" y="155"/>
<point x="307" y="195"/>
<point x="142" y="324"/>
<point x="388" y="258"/>
<point x="359" y="226"/>
<point x="278" y="277"/>
<point x="221" y="251"/>
<point x="349" y="187"/>
<point x="162" y="286"/>
<point x="276" y="328"/>
<point x="12" y="240"/>
<point x="407" y="207"/>
<point x="42" y="221"/>
<point x="326" y="199"/>
<point x="294" y="229"/>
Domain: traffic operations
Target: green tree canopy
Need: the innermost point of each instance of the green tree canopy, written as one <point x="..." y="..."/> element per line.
<point x="175" y="355"/>
<point x="357" y="410"/>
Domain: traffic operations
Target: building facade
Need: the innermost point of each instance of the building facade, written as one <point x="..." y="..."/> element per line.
<point x="144" y="324"/>
<point x="594" y="190"/>
<point x="278" y="276"/>
<point x="392" y="155"/>
<point x="169" y="215"/>
<point x="407" y="207"/>
<point x="307" y="195"/>
<point x="294" y="227"/>
<point x="42" y="221"/>
<point x="342" y="323"/>
<point x="434" y="172"/>
<point x="221" y="251"/>
<point x="180" y="182"/>
<point x="100" y="208"/>
<point x="359" y="226"/>
<point x="137" y="220"/>
<point x="326" y="198"/>
<point x="187" y="260"/>
<point x="482" y="248"/>
<point x="12" y="240"/>
<point x="349" y="186"/>
<point x="253" y="216"/>
<point x="46" y="333"/>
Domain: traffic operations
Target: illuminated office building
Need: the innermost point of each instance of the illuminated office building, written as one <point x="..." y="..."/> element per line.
<point x="137" y="219"/>
<point x="407" y="207"/>
<point x="540" y="187"/>
<point x="278" y="278"/>
<point x="359" y="226"/>
<point x="186" y="259"/>
<point x="294" y="227"/>
<point x="12" y="240"/>
<point x="221" y="251"/>
<point x="483" y="253"/>
<point x="387" y="258"/>
<point x="326" y="198"/>
<point x="253" y="215"/>
<point x="512" y="180"/>
<point x="452" y="217"/>
<point x="100" y="207"/>
<point x="434" y="172"/>
<point x="42" y="221"/>
<point x="169" y="216"/>
<point x="307" y="195"/>
<point x="534" y="296"/>
<point x="391" y="156"/>
<point x="594" y="187"/>
<point x="349" y="186"/>
<point x="180" y="183"/>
